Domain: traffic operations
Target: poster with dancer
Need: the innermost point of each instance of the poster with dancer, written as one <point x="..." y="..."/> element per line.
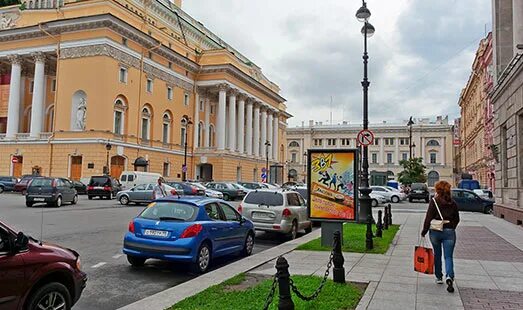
<point x="332" y="176"/>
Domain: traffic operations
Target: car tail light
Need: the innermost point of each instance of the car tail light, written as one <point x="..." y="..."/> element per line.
<point x="194" y="190"/>
<point x="240" y="192"/>
<point x="240" y="208"/>
<point x="286" y="212"/>
<point x="107" y="188"/>
<point x="131" y="227"/>
<point x="78" y="264"/>
<point x="191" y="231"/>
<point x="90" y="188"/>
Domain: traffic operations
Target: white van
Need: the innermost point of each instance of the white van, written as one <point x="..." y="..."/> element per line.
<point x="129" y="179"/>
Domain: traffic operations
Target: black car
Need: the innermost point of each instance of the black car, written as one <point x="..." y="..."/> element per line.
<point x="419" y="191"/>
<point x="80" y="187"/>
<point x="7" y="184"/>
<point x="186" y="188"/>
<point x="103" y="186"/>
<point x="52" y="191"/>
<point x="251" y="185"/>
<point x="467" y="200"/>
<point x="230" y="191"/>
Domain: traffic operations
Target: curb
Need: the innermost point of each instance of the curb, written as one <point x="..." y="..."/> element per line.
<point x="169" y="297"/>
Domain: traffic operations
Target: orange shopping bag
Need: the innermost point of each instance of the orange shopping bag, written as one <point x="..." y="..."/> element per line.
<point x="423" y="259"/>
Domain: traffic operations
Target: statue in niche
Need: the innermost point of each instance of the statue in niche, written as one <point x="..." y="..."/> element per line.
<point x="81" y="113"/>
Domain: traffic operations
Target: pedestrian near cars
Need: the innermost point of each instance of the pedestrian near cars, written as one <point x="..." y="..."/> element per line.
<point x="442" y="208"/>
<point x="159" y="190"/>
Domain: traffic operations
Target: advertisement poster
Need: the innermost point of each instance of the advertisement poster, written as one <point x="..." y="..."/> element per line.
<point x="332" y="183"/>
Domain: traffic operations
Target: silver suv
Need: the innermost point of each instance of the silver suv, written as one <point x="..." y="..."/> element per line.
<point x="279" y="211"/>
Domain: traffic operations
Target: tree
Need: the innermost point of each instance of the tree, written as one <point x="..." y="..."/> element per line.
<point x="413" y="171"/>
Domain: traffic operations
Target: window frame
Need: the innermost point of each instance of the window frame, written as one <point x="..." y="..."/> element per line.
<point x="125" y="72"/>
<point x="149" y="85"/>
<point x="170" y="93"/>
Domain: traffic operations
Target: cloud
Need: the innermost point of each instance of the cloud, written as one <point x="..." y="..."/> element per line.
<point x="420" y="56"/>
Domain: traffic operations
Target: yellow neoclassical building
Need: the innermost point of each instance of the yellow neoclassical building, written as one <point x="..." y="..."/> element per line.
<point x="88" y="86"/>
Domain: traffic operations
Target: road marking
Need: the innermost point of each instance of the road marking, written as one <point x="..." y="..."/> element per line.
<point x="117" y="256"/>
<point x="98" y="265"/>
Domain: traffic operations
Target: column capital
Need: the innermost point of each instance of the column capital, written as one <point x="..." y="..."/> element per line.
<point x="243" y="97"/>
<point x="201" y="91"/>
<point x="234" y="92"/>
<point x="38" y="56"/>
<point x="15" y="59"/>
<point x="223" y="86"/>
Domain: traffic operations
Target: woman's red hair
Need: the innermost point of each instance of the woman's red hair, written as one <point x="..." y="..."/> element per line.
<point x="443" y="190"/>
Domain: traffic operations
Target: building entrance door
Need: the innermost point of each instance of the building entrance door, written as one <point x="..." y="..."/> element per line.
<point x="117" y="166"/>
<point x="76" y="168"/>
<point x="205" y="172"/>
<point x="18" y="162"/>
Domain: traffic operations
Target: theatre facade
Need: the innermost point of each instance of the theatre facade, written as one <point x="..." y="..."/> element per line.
<point x="95" y="86"/>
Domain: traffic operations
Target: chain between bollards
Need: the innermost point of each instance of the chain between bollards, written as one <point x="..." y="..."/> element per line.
<point x="379" y="225"/>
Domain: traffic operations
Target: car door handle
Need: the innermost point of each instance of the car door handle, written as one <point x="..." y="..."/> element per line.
<point x="214" y="228"/>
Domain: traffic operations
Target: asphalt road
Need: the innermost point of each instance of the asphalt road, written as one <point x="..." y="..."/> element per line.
<point x="95" y="229"/>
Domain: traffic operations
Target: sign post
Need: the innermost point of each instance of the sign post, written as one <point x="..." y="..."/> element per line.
<point x="332" y="183"/>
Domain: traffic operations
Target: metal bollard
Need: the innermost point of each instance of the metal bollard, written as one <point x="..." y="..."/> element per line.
<point x="338" y="272"/>
<point x="284" y="287"/>
<point x="390" y="214"/>
<point x="379" y="226"/>
<point x="386" y="218"/>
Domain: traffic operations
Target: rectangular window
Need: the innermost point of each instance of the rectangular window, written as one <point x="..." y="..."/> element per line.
<point x="118" y="122"/>
<point x="186" y="99"/>
<point x="318" y="142"/>
<point x="404" y="156"/>
<point x="53" y="85"/>
<point x="150" y="55"/>
<point x="376" y="141"/>
<point x="170" y="65"/>
<point x="293" y="157"/>
<point x="182" y="133"/>
<point x="389" y="158"/>
<point x="149" y="85"/>
<point x="388" y="141"/>
<point x="374" y="158"/>
<point x="124" y="41"/>
<point x="202" y="105"/>
<point x="432" y="158"/>
<point x="145" y="129"/>
<point x="31" y="86"/>
<point x="345" y="142"/>
<point x="166" y="169"/>
<point x="169" y="93"/>
<point x="165" y="133"/>
<point x="123" y="75"/>
<point x="212" y="108"/>
<point x="331" y="142"/>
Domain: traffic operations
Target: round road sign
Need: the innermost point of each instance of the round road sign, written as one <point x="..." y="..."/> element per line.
<point x="365" y="137"/>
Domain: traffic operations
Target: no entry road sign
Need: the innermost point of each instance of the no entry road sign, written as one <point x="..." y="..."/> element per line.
<point x="365" y="137"/>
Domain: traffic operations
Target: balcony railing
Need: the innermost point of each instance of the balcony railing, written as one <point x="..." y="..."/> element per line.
<point x="41" y="4"/>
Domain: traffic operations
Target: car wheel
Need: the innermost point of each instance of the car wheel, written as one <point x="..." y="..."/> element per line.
<point x="395" y="199"/>
<point x="203" y="259"/>
<point x="136" y="261"/>
<point x="58" y="202"/>
<point x="124" y="200"/>
<point x="75" y="200"/>
<point x="28" y="204"/>
<point x="110" y="196"/>
<point x="374" y="203"/>
<point x="90" y="197"/>
<point x="426" y="200"/>
<point x="308" y="229"/>
<point x="411" y="200"/>
<point x="294" y="230"/>
<point x="488" y="210"/>
<point x="226" y="197"/>
<point x="52" y="295"/>
<point x="24" y="192"/>
<point x="1" y="189"/>
<point x="248" y="245"/>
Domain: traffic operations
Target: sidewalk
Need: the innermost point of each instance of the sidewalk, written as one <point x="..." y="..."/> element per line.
<point x="488" y="266"/>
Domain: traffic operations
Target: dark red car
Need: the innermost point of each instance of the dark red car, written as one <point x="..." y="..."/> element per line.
<point x="21" y="186"/>
<point x="37" y="276"/>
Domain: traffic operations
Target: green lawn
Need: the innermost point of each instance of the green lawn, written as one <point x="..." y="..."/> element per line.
<point x="333" y="296"/>
<point x="354" y="240"/>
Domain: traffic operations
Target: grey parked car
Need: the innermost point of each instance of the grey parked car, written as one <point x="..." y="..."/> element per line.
<point x="276" y="211"/>
<point x="230" y="191"/>
<point x="142" y="193"/>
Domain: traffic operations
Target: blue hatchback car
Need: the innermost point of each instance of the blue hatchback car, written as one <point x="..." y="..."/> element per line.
<point x="190" y="229"/>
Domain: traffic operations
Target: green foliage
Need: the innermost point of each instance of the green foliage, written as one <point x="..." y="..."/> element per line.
<point x="9" y="2"/>
<point x="354" y="240"/>
<point x="413" y="171"/>
<point x="333" y="296"/>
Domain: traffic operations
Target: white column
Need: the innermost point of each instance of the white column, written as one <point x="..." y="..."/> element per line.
<point x="220" y="130"/>
<point x="397" y="151"/>
<point x="232" y="120"/>
<point x="241" y="123"/>
<point x="423" y="149"/>
<point x="443" y="152"/>
<point x="275" y="143"/>
<point x="263" y="131"/>
<point x="248" y="133"/>
<point x="256" y="131"/>
<point x="196" y="123"/>
<point x="517" y="24"/>
<point x="13" y="108"/>
<point x="382" y="152"/>
<point x="269" y="134"/>
<point x="207" y="122"/>
<point x="37" y="107"/>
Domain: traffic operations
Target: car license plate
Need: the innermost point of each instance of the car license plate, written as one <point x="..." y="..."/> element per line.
<point x="155" y="233"/>
<point x="39" y="199"/>
<point x="262" y="215"/>
<point x="418" y="191"/>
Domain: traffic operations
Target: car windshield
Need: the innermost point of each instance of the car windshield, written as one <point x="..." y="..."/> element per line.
<point x="198" y="185"/>
<point x="236" y="186"/>
<point x="99" y="181"/>
<point x="169" y="210"/>
<point x="418" y="186"/>
<point x="391" y="188"/>
<point x="303" y="192"/>
<point x="265" y="198"/>
<point x="41" y="182"/>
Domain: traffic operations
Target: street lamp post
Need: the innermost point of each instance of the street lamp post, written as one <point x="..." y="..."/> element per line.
<point x="410" y="123"/>
<point x="108" y="147"/>
<point x="267" y="144"/>
<point x="304" y="167"/>
<point x="363" y="15"/>
<point x="186" y="121"/>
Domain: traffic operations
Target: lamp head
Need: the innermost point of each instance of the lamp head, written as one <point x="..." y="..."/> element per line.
<point x="370" y="29"/>
<point x="363" y="14"/>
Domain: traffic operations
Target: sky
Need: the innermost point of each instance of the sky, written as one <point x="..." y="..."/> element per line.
<point x="420" y="56"/>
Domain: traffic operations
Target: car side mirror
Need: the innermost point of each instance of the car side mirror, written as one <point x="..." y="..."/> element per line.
<point x="242" y="220"/>
<point x="21" y="242"/>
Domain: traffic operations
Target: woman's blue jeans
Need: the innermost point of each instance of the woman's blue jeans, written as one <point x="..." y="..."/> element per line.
<point x="447" y="239"/>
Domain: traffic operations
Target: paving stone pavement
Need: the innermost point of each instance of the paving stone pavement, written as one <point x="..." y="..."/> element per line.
<point x="479" y="299"/>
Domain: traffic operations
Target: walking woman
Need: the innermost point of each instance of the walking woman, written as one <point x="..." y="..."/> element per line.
<point x="446" y="238"/>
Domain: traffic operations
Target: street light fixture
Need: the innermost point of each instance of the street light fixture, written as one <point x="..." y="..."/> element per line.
<point x="108" y="147"/>
<point x="186" y="121"/>
<point x="267" y="144"/>
<point x="363" y="15"/>
<point x="304" y="166"/>
<point x="410" y="123"/>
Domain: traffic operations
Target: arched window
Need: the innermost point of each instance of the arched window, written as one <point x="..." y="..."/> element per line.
<point x="432" y="143"/>
<point x="294" y="144"/>
<point x="119" y="117"/>
<point x="146" y="123"/>
<point x="211" y="135"/>
<point x="200" y="134"/>
<point x="79" y="110"/>
<point x="166" y="127"/>
<point x="432" y="178"/>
